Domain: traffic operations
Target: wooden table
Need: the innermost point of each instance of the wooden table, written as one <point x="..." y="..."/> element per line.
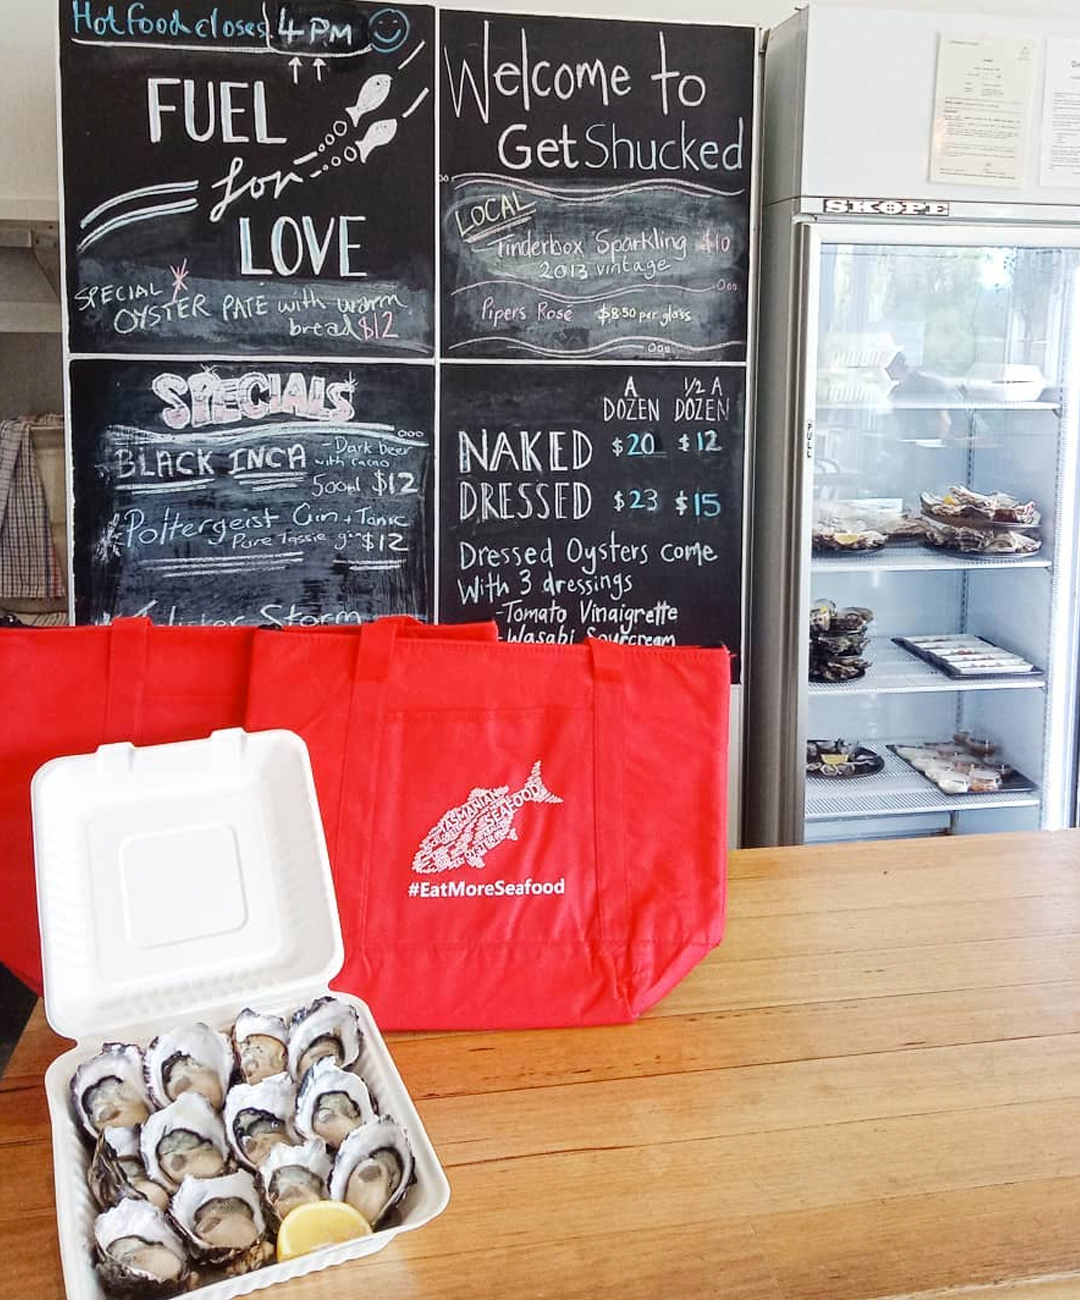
<point x="872" y="1088"/>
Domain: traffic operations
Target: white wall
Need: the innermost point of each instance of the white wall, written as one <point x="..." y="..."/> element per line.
<point x="27" y="111"/>
<point x="27" y="108"/>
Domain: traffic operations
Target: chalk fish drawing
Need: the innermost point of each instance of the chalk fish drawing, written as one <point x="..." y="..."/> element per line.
<point x="466" y="833"/>
<point x="372" y="95"/>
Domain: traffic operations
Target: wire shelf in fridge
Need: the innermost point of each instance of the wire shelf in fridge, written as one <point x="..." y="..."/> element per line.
<point x="893" y="671"/>
<point x="897" y="790"/>
<point x="878" y="406"/>
<point x="920" y="560"/>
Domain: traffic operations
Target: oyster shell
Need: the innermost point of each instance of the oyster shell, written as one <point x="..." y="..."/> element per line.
<point x="117" y="1171"/>
<point x="109" y="1091"/>
<point x="261" y="1044"/>
<point x="372" y="1169"/>
<point x="193" y="1058"/>
<point x="221" y="1217"/>
<point x="328" y="1027"/>
<point x="185" y="1139"/>
<point x="139" y="1251"/>
<point x="293" y="1175"/>
<point x="332" y="1102"/>
<point x="258" y="1117"/>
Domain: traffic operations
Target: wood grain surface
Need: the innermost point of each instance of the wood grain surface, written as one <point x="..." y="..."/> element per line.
<point x="871" y="1090"/>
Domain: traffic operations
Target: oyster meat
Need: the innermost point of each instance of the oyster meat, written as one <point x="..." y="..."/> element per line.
<point x="221" y="1217"/>
<point x="117" y="1170"/>
<point x="293" y="1175"/>
<point x="261" y="1044"/>
<point x="373" y="1169"/>
<point x="259" y="1116"/>
<point x="194" y="1058"/>
<point x="328" y="1027"/>
<point x="139" y="1251"/>
<point x="109" y="1091"/>
<point x="332" y="1102"/>
<point x="186" y="1139"/>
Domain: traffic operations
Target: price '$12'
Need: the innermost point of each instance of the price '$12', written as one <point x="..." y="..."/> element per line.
<point x="400" y="483"/>
<point x="703" y="440"/>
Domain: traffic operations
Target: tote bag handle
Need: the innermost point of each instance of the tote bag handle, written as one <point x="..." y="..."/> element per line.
<point x="609" y="752"/>
<point x="125" y="687"/>
<point x="367" y="711"/>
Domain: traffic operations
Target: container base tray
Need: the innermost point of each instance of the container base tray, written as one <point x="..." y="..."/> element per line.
<point x="943" y="665"/>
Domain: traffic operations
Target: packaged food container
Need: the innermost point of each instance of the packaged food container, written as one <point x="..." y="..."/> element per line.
<point x="954" y="783"/>
<point x="984" y="780"/>
<point x="181" y="883"/>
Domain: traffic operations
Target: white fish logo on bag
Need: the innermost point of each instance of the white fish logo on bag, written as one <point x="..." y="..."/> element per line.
<point x="463" y="835"/>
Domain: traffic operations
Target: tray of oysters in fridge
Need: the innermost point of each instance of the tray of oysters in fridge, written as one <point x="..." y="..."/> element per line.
<point x="202" y="1144"/>
<point x="974" y="523"/>
<point x="964" y="657"/>
<point x="970" y="763"/>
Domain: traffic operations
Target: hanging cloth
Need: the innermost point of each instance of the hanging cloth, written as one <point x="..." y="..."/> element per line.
<point x="28" y="565"/>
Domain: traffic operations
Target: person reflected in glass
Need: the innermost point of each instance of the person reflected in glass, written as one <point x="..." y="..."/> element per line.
<point x="922" y="401"/>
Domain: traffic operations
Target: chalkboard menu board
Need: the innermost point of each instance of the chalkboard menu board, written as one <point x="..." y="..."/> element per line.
<point x="281" y="494"/>
<point x="248" y="178"/>
<point x="384" y="309"/>
<point x="594" y="501"/>
<point x="595" y="188"/>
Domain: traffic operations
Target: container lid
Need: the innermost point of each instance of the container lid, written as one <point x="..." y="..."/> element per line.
<point x="176" y="879"/>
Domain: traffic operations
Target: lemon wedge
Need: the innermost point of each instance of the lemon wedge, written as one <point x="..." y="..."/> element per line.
<point x="317" y="1224"/>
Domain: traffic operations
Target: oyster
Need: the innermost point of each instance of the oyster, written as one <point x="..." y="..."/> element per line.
<point x="328" y="1027"/>
<point x="117" y="1170"/>
<point x="186" y="1139"/>
<point x="258" y="1117"/>
<point x="292" y="1176"/>
<point x="372" y="1169"/>
<point x="139" y="1251"/>
<point x="332" y="1102"/>
<point x="109" y="1091"/>
<point x="194" y="1058"/>
<point x="221" y="1217"/>
<point x="261" y="1044"/>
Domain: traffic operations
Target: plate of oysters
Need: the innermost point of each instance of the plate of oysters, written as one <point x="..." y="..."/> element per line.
<point x="200" y="1142"/>
<point x="960" y="505"/>
<point x="839" y="760"/>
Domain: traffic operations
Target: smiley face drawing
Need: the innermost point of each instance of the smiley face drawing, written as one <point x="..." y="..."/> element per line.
<point x="388" y="30"/>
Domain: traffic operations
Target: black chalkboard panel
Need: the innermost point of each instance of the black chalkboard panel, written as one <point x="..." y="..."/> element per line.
<point x="248" y="179"/>
<point x="595" y="188"/>
<point x="286" y="494"/>
<point x="593" y="500"/>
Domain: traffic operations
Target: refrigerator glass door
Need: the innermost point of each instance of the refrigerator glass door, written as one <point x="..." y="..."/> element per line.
<point x="943" y="523"/>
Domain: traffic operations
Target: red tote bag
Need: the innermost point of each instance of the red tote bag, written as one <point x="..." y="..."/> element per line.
<point x="69" y="690"/>
<point x="521" y="835"/>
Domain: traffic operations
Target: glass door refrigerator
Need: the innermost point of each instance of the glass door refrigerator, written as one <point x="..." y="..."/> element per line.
<point x="913" y="658"/>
